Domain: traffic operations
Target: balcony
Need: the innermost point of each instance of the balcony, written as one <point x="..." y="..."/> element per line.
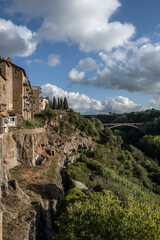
<point x="25" y="81"/>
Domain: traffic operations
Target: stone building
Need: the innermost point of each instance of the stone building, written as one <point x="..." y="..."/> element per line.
<point x="22" y="93"/>
<point x="3" y="99"/>
<point x="38" y="100"/>
<point x="44" y="102"/>
<point x="5" y="95"/>
<point x="6" y="72"/>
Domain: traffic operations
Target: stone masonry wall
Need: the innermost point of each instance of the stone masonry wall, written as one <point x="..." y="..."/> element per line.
<point x="17" y="91"/>
<point x="7" y="73"/>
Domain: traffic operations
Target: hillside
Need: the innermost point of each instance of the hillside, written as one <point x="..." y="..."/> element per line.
<point x="74" y="179"/>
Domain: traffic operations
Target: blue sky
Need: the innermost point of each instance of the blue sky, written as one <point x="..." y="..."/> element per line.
<point x="102" y="55"/>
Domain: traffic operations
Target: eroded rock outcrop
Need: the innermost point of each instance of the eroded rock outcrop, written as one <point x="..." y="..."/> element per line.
<point x="32" y="188"/>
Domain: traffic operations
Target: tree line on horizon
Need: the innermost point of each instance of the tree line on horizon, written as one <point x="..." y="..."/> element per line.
<point x="59" y="103"/>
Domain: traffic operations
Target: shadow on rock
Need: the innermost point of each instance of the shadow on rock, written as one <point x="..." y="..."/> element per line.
<point x="47" y="191"/>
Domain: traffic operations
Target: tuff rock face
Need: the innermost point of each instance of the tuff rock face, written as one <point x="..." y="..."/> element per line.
<point x="35" y="157"/>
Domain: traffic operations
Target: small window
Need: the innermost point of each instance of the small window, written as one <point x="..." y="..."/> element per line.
<point x="3" y="87"/>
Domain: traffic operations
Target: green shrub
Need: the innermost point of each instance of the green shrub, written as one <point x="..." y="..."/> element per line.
<point x="91" y="164"/>
<point x="72" y="195"/>
<point x="102" y="216"/>
<point x="78" y="171"/>
<point x="27" y="124"/>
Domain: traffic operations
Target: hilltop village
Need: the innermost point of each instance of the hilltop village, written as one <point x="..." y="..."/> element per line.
<point x="68" y="176"/>
<point x="18" y="99"/>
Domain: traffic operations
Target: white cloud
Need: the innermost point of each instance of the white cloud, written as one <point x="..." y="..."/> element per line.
<point x="16" y="40"/>
<point x="53" y="60"/>
<point x="87" y="64"/>
<point x="120" y="105"/>
<point x="155" y="102"/>
<point x="85" y="105"/>
<point x="86" y="23"/>
<point x="39" y="61"/>
<point x="138" y="70"/>
<point x="77" y="77"/>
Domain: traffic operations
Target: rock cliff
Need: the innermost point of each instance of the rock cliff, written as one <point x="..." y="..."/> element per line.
<point x="30" y="179"/>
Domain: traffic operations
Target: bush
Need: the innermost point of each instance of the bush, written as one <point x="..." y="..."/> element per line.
<point x="78" y="171"/>
<point x="91" y="164"/>
<point x="27" y="124"/>
<point x="48" y="114"/>
<point x="102" y="216"/>
<point x="72" y="195"/>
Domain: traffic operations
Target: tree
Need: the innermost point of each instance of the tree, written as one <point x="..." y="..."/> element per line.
<point x="54" y="106"/>
<point x="61" y="104"/>
<point x="65" y="104"/>
<point x="58" y="104"/>
<point x="102" y="216"/>
<point x="50" y="104"/>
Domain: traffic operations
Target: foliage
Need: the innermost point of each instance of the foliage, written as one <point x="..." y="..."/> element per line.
<point x="91" y="127"/>
<point x="61" y="104"/>
<point x="91" y="164"/>
<point x="104" y="216"/>
<point x="72" y="195"/>
<point x="54" y="106"/>
<point x="150" y="115"/>
<point x="151" y="146"/>
<point x="78" y="171"/>
<point x="65" y="102"/>
<point x="48" y="114"/>
<point x="27" y="124"/>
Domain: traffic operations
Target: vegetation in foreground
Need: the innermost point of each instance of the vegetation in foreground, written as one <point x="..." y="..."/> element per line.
<point x="128" y="207"/>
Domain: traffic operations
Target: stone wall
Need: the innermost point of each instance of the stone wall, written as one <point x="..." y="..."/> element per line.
<point x="7" y="73"/>
<point x="17" y="91"/>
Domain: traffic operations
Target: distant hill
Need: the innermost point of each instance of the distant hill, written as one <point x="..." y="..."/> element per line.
<point x="149" y="115"/>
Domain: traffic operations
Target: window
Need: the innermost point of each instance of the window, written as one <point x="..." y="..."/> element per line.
<point x="3" y="87"/>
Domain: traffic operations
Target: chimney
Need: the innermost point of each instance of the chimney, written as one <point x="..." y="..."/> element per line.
<point x="9" y="59"/>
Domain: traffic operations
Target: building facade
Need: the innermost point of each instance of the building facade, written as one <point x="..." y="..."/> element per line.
<point x="6" y="72"/>
<point x="44" y="102"/>
<point x="38" y="100"/>
<point x="22" y="93"/>
<point x="18" y="99"/>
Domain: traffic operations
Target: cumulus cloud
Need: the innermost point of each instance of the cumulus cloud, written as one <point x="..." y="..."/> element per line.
<point x="120" y="105"/>
<point x="87" y="64"/>
<point x="53" y="60"/>
<point x="86" y="23"/>
<point x="16" y="40"/>
<point x="137" y="71"/>
<point x="77" y="77"/>
<point x="85" y="105"/>
<point x="36" y="61"/>
<point x="155" y="102"/>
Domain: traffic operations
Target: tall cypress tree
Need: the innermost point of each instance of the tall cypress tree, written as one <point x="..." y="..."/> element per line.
<point x="58" y="103"/>
<point x="54" y="103"/>
<point x="61" y="104"/>
<point x="65" y="104"/>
